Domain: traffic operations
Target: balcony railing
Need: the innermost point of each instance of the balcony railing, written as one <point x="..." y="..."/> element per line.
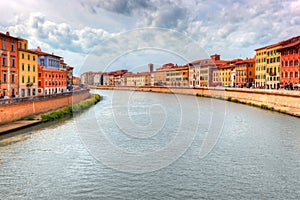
<point x="39" y="98"/>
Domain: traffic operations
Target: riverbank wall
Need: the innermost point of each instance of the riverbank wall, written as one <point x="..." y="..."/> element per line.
<point x="15" y="109"/>
<point x="283" y="101"/>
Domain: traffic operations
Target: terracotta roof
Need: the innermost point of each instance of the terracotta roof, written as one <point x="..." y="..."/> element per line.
<point x="41" y="53"/>
<point x="139" y="74"/>
<point x="290" y="45"/>
<point x="279" y="44"/>
<point x="249" y="60"/>
<point x="8" y="35"/>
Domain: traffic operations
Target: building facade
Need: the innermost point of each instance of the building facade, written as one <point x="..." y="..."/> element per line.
<point x="177" y="76"/>
<point x="9" y="65"/>
<point x="28" y="70"/>
<point x="52" y="77"/>
<point x="261" y="67"/>
<point x="290" y="68"/>
<point x="139" y="79"/>
<point x="273" y="67"/>
<point x="245" y="73"/>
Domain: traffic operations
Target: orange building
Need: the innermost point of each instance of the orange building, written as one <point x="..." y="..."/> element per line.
<point x="51" y="81"/>
<point x="52" y="77"/>
<point x="76" y="80"/>
<point x="9" y="65"/>
<point x="245" y="73"/>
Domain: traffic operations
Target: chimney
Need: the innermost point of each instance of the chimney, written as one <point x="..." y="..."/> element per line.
<point x="7" y="33"/>
<point x="215" y="57"/>
<point x="39" y="48"/>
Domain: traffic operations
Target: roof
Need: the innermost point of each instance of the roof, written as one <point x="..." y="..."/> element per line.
<point x="139" y="74"/>
<point x="8" y="35"/>
<point x="279" y="44"/>
<point x="291" y="42"/>
<point x="248" y="60"/>
<point x="41" y="53"/>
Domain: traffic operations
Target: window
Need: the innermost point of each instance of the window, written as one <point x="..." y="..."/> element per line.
<point x="23" y="79"/>
<point x="3" y="44"/>
<point x="40" y="83"/>
<point x="296" y="63"/>
<point x="291" y="63"/>
<point x="28" y="67"/>
<point x="33" y="69"/>
<point x="296" y="74"/>
<point x="286" y="63"/>
<point x="13" y="78"/>
<point x="42" y="61"/>
<point x="33" y="57"/>
<point x="4" y="78"/>
<point x="291" y="75"/>
<point x="40" y="75"/>
<point x="278" y="59"/>
<point x="33" y="79"/>
<point x="3" y="60"/>
<point x="28" y="56"/>
<point x="28" y="79"/>
<point x="22" y="55"/>
<point x="22" y="66"/>
<point x="13" y="61"/>
<point x="12" y="46"/>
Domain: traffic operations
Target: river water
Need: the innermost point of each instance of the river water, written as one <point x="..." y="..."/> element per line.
<point x="142" y="145"/>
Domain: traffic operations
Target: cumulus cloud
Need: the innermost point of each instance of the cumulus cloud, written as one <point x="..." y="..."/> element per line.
<point x="226" y="27"/>
<point x="61" y="36"/>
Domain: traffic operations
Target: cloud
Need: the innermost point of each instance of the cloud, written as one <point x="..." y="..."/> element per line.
<point x="61" y="36"/>
<point x="229" y="27"/>
<point x="118" y="6"/>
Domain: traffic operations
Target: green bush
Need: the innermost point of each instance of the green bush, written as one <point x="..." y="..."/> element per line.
<point x="229" y="99"/>
<point x="263" y="106"/>
<point x="30" y="117"/>
<point x="235" y="100"/>
<point x="71" y="109"/>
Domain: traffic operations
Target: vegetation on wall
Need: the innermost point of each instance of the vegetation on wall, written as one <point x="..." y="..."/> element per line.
<point x="72" y="109"/>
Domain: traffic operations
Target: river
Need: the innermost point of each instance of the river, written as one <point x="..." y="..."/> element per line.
<point x="143" y="145"/>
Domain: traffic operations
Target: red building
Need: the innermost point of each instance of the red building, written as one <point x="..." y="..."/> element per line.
<point x="51" y="81"/>
<point x="290" y="69"/>
<point x="245" y="73"/>
<point x="9" y="65"/>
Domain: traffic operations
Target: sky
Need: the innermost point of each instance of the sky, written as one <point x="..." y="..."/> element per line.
<point x="98" y="35"/>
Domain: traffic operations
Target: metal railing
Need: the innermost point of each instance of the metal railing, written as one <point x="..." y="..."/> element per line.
<point x="39" y="97"/>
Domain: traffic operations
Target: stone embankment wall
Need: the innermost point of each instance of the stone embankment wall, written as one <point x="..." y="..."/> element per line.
<point x="16" y="109"/>
<point x="280" y="100"/>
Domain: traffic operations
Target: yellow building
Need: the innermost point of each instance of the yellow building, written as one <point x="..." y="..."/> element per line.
<point x="261" y="67"/>
<point x="178" y="76"/>
<point x="225" y="75"/>
<point x="139" y="79"/>
<point x="28" y="70"/>
<point x="273" y="67"/>
<point x="267" y="71"/>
